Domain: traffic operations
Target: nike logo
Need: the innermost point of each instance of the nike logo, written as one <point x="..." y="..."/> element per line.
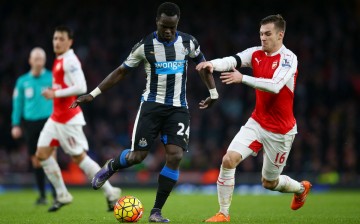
<point x="257" y="60"/>
<point x="96" y="183"/>
<point x="151" y="52"/>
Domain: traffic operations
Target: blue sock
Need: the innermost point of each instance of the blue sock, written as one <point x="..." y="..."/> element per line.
<point x="120" y="162"/>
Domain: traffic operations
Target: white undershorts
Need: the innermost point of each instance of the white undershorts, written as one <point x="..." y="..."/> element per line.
<point x="252" y="138"/>
<point x="70" y="137"/>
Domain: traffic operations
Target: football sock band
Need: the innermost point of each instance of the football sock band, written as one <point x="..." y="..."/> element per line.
<point x="288" y="185"/>
<point x="53" y="173"/>
<point x="90" y="168"/>
<point x="167" y="180"/>
<point x="172" y="174"/>
<point x="225" y="188"/>
<point x="120" y="161"/>
<point x="40" y="180"/>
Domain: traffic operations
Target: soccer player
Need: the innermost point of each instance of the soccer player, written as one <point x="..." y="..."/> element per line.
<point x="272" y="125"/>
<point x="64" y="127"/>
<point x="163" y="108"/>
<point x="34" y="109"/>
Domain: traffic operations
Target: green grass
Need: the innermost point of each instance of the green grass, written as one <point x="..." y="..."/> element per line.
<point x="89" y="207"/>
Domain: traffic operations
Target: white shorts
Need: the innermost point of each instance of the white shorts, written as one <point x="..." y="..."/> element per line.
<point x="252" y="138"/>
<point x="71" y="138"/>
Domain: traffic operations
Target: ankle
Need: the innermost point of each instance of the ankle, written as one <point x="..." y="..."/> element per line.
<point x="155" y="210"/>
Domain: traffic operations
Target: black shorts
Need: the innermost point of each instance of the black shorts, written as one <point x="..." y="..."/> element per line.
<point x="172" y="123"/>
<point x="32" y="131"/>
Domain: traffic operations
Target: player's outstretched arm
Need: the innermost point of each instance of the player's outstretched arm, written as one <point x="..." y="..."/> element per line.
<point x="113" y="78"/>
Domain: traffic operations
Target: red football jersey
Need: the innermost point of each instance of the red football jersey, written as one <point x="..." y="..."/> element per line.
<point x="62" y="69"/>
<point x="274" y="78"/>
<point x="274" y="111"/>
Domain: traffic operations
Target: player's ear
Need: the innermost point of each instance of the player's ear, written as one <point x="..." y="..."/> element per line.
<point x="281" y="35"/>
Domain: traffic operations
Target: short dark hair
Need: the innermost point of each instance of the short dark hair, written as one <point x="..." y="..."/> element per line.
<point x="66" y="29"/>
<point x="278" y="21"/>
<point x="169" y="9"/>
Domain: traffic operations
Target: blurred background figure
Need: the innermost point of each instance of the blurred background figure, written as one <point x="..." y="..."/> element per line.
<point x="31" y="110"/>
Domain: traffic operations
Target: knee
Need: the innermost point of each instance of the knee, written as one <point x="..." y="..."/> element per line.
<point x="270" y="185"/>
<point x="41" y="154"/>
<point x="79" y="158"/>
<point x="175" y="157"/>
<point x="231" y="161"/>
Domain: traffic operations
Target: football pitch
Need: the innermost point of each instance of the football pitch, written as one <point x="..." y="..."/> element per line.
<point x="89" y="206"/>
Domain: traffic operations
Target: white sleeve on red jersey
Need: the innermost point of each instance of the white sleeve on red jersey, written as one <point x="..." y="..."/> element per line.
<point x="224" y="64"/>
<point x="286" y="70"/>
<point x="74" y="78"/>
<point x="246" y="56"/>
<point x="227" y="63"/>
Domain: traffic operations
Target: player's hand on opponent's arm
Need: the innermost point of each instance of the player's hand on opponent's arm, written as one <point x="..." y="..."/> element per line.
<point x="82" y="99"/>
<point x="207" y="65"/>
<point x="231" y="77"/>
<point x="16" y="132"/>
<point x="207" y="103"/>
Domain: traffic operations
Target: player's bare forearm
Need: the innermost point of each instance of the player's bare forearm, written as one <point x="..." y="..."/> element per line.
<point x="207" y="78"/>
<point x="114" y="77"/>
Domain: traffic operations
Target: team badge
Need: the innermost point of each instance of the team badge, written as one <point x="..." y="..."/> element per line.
<point x="185" y="51"/>
<point x="58" y="66"/>
<point x="142" y="142"/>
<point x="274" y="64"/>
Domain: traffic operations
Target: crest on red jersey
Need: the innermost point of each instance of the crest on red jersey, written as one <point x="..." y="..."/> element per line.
<point x="58" y="66"/>
<point x="274" y="64"/>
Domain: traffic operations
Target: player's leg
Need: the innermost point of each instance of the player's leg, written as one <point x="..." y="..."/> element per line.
<point x="74" y="143"/>
<point x="46" y="146"/>
<point x="32" y="133"/>
<point x="175" y="137"/>
<point x="144" y="132"/>
<point x="31" y="136"/>
<point x="277" y="148"/>
<point x="167" y="179"/>
<point x="242" y="146"/>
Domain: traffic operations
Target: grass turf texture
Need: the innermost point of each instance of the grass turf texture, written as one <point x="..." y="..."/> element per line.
<point x="89" y="207"/>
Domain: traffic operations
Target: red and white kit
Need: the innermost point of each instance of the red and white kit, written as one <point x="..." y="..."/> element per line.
<point x="272" y="125"/>
<point x="64" y="127"/>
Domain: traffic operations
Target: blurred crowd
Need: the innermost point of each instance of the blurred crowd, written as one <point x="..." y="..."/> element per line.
<point x="325" y="38"/>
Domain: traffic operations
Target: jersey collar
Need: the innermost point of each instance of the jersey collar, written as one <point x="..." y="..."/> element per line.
<point x="70" y="51"/>
<point x="164" y="42"/>
<point x="277" y="52"/>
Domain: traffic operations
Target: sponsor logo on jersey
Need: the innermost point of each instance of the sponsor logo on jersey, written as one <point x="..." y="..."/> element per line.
<point x="73" y="68"/>
<point x="169" y="67"/>
<point x="274" y="64"/>
<point x="257" y="60"/>
<point x="285" y="63"/>
<point x="142" y="142"/>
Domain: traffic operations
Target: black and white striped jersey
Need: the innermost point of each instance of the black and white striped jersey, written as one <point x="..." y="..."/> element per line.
<point x="165" y="66"/>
